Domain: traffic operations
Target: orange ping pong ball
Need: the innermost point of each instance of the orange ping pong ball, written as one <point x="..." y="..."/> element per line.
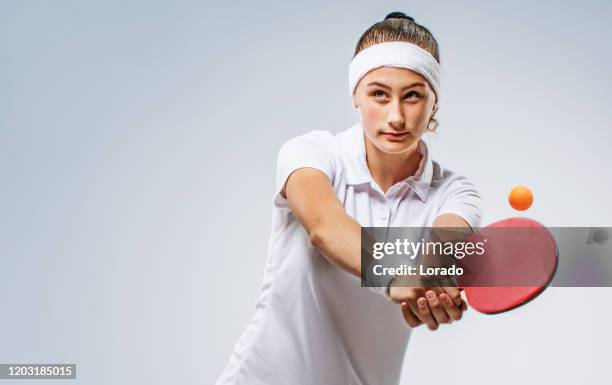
<point x="520" y="198"/>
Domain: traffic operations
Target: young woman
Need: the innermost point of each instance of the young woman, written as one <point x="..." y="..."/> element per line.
<point x="314" y="323"/>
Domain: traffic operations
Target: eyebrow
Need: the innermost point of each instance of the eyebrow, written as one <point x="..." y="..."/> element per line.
<point x="387" y="87"/>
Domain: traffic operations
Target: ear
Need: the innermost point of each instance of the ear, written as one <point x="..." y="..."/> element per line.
<point x="354" y="102"/>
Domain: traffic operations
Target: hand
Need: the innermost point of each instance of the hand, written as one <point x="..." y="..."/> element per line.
<point x="440" y="305"/>
<point x="432" y="306"/>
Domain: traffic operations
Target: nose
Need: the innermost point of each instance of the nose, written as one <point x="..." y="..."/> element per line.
<point x="396" y="115"/>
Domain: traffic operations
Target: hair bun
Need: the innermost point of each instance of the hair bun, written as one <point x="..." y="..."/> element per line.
<point x="398" y="15"/>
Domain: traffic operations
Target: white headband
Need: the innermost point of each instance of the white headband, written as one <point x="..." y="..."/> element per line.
<point x="395" y="54"/>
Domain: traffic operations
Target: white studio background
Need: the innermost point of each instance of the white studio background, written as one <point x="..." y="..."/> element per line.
<point x="138" y="141"/>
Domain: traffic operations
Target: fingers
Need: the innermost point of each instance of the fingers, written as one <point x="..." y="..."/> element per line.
<point x="409" y="316"/>
<point x="425" y="314"/>
<point x="454" y="312"/>
<point x="454" y="294"/>
<point x="414" y="309"/>
<point x="433" y="306"/>
<point x="436" y="307"/>
<point x="406" y="297"/>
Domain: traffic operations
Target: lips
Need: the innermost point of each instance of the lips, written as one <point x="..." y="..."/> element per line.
<point x="394" y="134"/>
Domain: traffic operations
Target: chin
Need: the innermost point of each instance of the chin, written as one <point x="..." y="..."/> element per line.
<point x="394" y="147"/>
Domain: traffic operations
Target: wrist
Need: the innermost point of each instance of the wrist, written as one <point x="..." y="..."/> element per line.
<point x="389" y="287"/>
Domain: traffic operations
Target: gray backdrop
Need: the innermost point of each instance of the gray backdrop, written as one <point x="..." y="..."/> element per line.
<point x="137" y="136"/>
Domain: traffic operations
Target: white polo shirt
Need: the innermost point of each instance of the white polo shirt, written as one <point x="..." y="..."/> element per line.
<point x="314" y="324"/>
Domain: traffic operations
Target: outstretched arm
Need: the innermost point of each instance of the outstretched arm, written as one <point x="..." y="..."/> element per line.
<point x="337" y="237"/>
<point x="314" y="203"/>
<point x="439" y="305"/>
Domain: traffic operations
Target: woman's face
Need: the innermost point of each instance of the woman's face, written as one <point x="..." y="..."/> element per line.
<point x="395" y="105"/>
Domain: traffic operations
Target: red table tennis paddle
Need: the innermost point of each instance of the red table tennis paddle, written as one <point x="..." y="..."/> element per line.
<point x="519" y="262"/>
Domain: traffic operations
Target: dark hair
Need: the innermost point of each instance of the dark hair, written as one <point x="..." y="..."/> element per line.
<point x="397" y="26"/>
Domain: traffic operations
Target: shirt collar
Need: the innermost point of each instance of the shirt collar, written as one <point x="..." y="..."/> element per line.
<point x="357" y="172"/>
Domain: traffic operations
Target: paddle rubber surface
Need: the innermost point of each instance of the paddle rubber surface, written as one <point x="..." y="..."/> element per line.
<point x="519" y="262"/>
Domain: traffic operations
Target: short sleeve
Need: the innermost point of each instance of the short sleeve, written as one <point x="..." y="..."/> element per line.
<point x="462" y="198"/>
<point x="316" y="149"/>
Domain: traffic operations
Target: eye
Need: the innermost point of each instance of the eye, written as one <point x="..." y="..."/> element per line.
<point x="379" y="94"/>
<point x="412" y="95"/>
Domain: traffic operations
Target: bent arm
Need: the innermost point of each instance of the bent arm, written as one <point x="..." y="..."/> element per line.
<point x="332" y="232"/>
